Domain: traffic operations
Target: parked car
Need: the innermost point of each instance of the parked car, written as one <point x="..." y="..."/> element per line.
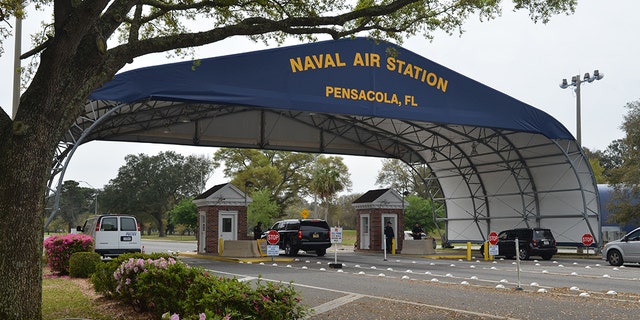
<point x="624" y="250"/>
<point x="303" y="234"/>
<point x="113" y="235"/>
<point x="532" y="242"/>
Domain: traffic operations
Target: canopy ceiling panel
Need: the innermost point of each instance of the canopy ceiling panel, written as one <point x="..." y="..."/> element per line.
<point x="500" y="163"/>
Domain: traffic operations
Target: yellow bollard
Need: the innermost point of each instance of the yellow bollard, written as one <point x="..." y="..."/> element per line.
<point x="468" y="251"/>
<point x="220" y="245"/>
<point x="487" y="257"/>
<point x="393" y="245"/>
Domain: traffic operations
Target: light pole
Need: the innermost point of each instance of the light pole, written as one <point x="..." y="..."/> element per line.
<point x="95" y="197"/>
<point x="576" y="82"/>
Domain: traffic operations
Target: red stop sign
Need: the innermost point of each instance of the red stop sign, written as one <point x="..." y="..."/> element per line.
<point x="273" y="237"/>
<point x="493" y="238"/>
<point x="587" y="239"/>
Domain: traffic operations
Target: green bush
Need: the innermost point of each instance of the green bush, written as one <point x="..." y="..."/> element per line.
<point x="224" y="297"/>
<point x="83" y="264"/>
<point x="103" y="280"/>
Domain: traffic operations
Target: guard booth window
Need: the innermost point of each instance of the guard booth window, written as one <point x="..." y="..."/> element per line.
<point x="226" y="225"/>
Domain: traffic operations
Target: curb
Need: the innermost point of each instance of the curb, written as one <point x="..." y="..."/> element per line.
<point x="234" y="259"/>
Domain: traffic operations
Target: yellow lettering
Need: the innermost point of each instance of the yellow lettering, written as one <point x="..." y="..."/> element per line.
<point x="308" y="63"/>
<point x="296" y="64"/>
<point x="391" y="64"/>
<point x="442" y="84"/>
<point x="357" y="60"/>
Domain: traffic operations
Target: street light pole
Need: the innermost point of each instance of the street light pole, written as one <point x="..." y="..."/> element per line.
<point x="95" y="197"/>
<point x="576" y="82"/>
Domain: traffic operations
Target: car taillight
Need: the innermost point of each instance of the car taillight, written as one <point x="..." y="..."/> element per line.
<point x="299" y="234"/>
<point x="98" y="226"/>
<point x="535" y="243"/>
<point x="138" y="227"/>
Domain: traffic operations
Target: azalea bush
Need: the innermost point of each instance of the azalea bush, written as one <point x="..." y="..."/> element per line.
<point x="171" y="289"/>
<point x="103" y="280"/>
<point x="58" y="250"/>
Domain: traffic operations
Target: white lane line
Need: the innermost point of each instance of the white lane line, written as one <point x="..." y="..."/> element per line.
<point x="247" y="278"/>
<point x="473" y="313"/>
<point x="336" y="303"/>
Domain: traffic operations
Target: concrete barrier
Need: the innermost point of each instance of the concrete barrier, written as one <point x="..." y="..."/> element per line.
<point x="240" y="249"/>
<point x="420" y="247"/>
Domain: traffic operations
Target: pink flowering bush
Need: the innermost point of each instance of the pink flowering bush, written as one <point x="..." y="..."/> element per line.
<point x="173" y="290"/>
<point x="58" y="250"/>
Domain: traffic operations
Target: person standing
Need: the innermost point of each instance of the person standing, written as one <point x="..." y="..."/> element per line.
<point x="416" y="232"/>
<point x="389" y="235"/>
<point x="257" y="231"/>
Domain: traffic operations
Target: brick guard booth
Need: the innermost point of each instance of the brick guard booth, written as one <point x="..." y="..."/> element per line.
<point x="374" y="209"/>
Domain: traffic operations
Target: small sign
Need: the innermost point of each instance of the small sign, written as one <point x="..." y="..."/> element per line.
<point x="493" y="238"/>
<point x="304" y="214"/>
<point x="336" y="235"/>
<point x="273" y="250"/>
<point x="587" y="239"/>
<point x="493" y="250"/>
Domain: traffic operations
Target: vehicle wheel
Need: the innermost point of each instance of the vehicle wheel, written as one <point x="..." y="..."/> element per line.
<point x="523" y="253"/>
<point x="547" y="257"/>
<point x="289" y="249"/>
<point x="321" y="252"/>
<point x="615" y="258"/>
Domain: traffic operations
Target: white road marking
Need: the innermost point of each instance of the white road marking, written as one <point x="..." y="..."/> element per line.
<point x="336" y="303"/>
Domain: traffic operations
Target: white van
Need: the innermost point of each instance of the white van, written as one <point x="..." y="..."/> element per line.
<point x="113" y="234"/>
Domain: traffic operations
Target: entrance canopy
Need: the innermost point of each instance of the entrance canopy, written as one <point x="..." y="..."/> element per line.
<point x="498" y="162"/>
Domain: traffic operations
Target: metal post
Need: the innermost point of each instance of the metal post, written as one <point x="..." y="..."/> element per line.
<point x="16" y="66"/>
<point x="518" y="287"/>
<point x="578" y="113"/>
<point x="576" y="82"/>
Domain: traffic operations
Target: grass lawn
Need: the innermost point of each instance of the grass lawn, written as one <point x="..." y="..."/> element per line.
<point x="64" y="297"/>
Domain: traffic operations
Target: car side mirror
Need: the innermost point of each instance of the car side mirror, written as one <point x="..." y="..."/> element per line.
<point x="79" y="228"/>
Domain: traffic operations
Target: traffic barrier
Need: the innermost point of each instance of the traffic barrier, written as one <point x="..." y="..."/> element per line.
<point x="420" y="247"/>
<point x="240" y="249"/>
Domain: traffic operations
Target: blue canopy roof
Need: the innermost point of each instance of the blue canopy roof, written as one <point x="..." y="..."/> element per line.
<point x="498" y="163"/>
<point x="350" y="76"/>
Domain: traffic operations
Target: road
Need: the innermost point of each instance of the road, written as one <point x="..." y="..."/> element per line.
<point x="404" y="287"/>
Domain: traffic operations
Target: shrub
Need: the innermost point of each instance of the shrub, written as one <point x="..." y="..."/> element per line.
<point x="103" y="280"/>
<point x="218" y="297"/>
<point x="83" y="264"/>
<point x="173" y="290"/>
<point x="58" y="250"/>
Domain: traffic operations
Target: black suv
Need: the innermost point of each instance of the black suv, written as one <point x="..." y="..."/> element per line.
<point x="532" y="242"/>
<point x="303" y="234"/>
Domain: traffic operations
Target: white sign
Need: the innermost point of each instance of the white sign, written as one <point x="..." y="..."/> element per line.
<point x="273" y="250"/>
<point x="493" y="250"/>
<point x="336" y="235"/>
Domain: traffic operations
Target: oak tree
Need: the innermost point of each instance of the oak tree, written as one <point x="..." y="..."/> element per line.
<point x="89" y="41"/>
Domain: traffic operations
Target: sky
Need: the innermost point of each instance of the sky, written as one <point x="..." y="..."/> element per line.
<point x="511" y="54"/>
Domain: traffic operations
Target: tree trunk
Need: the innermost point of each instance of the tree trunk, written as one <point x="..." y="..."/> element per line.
<point x="24" y="169"/>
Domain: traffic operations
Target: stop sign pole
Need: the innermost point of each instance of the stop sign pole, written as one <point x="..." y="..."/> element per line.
<point x="587" y="240"/>
<point x="273" y="237"/>
<point x="493" y="240"/>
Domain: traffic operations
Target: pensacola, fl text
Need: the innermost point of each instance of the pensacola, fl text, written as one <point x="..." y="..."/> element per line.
<point x="369" y="95"/>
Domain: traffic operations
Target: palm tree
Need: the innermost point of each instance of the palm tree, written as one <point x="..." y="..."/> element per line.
<point x="330" y="177"/>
